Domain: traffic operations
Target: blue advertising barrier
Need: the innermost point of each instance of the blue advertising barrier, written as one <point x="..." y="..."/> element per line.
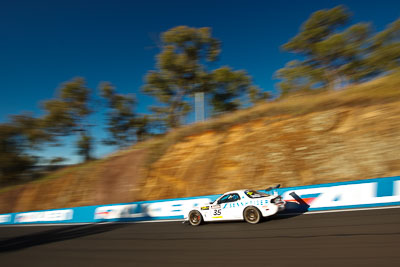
<point x="333" y="196"/>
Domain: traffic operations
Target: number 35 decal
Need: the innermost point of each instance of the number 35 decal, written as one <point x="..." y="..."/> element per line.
<point x="217" y="212"/>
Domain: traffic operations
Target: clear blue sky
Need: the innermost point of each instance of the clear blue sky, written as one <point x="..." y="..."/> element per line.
<point x="44" y="43"/>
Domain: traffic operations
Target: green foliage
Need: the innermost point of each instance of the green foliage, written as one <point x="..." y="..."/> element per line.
<point x="31" y="129"/>
<point x="317" y="28"/>
<point x="125" y="127"/>
<point x="85" y="146"/>
<point x="385" y="49"/>
<point x="334" y="57"/>
<point x="325" y="50"/>
<point x="227" y="86"/>
<point x="120" y="117"/>
<point x="57" y="120"/>
<point x="143" y="126"/>
<point x="13" y="157"/>
<point x="67" y="114"/>
<point x="180" y="72"/>
<point x="24" y="134"/>
<point x="298" y="77"/>
<point x="256" y="95"/>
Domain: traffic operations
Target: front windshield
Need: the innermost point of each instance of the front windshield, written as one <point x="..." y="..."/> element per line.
<point x="255" y="194"/>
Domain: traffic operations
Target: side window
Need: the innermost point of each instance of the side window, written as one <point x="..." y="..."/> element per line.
<point x="234" y="197"/>
<point x="229" y="198"/>
<point x="223" y="199"/>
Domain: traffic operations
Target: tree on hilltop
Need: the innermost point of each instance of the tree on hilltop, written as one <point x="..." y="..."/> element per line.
<point x="67" y="115"/>
<point x="228" y="86"/>
<point x="18" y="138"/>
<point x="125" y="127"/>
<point x="385" y="49"/>
<point x="333" y="57"/>
<point x="182" y="71"/>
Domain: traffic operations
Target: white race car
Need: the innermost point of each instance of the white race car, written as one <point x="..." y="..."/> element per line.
<point x="248" y="205"/>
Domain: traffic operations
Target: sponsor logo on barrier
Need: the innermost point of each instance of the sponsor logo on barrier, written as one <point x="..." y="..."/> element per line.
<point x="44" y="216"/>
<point x="120" y="211"/>
<point x="5" y="218"/>
<point x="348" y="194"/>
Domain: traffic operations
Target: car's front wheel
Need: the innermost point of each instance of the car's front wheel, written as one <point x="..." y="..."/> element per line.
<point x="252" y="215"/>
<point x="195" y="218"/>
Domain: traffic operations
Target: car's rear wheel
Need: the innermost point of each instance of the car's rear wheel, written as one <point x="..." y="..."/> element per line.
<point x="195" y="218"/>
<point x="252" y="215"/>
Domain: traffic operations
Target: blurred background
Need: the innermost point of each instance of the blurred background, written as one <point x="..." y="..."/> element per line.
<point x="116" y="102"/>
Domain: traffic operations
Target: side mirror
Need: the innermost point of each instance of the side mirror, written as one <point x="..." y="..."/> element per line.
<point x="212" y="202"/>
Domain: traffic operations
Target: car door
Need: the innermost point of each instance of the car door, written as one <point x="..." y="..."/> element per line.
<point x="225" y="207"/>
<point x="216" y="210"/>
<point x="232" y="208"/>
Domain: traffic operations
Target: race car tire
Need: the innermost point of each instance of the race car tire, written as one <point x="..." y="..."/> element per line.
<point x="252" y="215"/>
<point x="195" y="218"/>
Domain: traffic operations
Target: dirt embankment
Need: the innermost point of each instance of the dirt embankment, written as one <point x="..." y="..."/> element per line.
<point x="113" y="180"/>
<point x="348" y="135"/>
<point x="335" y="145"/>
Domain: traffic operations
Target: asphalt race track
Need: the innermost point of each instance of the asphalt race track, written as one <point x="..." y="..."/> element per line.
<point x="356" y="238"/>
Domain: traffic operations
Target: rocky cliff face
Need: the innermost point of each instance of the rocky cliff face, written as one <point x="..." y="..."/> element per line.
<point x="335" y="145"/>
<point x="338" y="144"/>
